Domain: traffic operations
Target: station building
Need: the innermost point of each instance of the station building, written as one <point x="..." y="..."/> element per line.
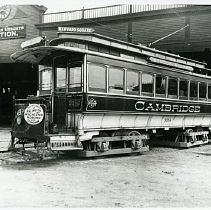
<point x="17" y="24"/>
<point x="180" y="29"/>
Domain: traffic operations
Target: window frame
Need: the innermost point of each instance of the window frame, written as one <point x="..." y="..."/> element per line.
<point x="163" y="95"/>
<point x="170" y="95"/>
<point x="123" y="80"/>
<point x="68" y="77"/>
<point x="153" y="84"/>
<point x="205" y="98"/>
<point x="184" y="97"/>
<point x="63" y="88"/>
<point x="192" y="98"/>
<point x="106" y="78"/>
<point x="208" y="85"/>
<point x="41" y="70"/>
<point x="135" y="93"/>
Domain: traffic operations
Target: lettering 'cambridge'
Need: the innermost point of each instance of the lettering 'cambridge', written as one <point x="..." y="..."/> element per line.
<point x="156" y="107"/>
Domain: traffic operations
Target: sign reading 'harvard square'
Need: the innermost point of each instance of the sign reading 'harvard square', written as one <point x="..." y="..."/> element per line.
<point x="13" y="32"/>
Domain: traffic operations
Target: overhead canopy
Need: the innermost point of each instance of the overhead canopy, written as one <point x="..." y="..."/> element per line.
<point x="37" y="54"/>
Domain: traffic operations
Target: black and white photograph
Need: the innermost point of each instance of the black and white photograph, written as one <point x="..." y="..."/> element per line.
<point x="105" y="104"/>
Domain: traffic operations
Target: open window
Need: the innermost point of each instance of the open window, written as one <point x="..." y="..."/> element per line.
<point x="209" y="92"/>
<point x="160" y="89"/>
<point x="172" y="87"/>
<point x="202" y="91"/>
<point x="193" y="90"/>
<point x="183" y="89"/>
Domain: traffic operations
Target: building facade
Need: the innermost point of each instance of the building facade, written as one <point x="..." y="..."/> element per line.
<point x="17" y="24"/>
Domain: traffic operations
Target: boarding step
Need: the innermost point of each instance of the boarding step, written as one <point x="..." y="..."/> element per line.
<point x="63" y="143"/>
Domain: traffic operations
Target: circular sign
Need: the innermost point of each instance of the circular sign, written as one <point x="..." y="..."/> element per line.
<point x="4" y="12"/>
<point x="33" y="114"/>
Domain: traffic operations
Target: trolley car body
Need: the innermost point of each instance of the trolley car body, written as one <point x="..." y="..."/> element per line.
<point x="103" y="96"/>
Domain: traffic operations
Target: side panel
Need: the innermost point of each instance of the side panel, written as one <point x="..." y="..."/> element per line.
<point x="97" y="103"/>
<point x="29" y="121"/>
<point x="140" y="121"/>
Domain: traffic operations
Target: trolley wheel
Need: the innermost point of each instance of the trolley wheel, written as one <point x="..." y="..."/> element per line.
<point x="134" y="143"/>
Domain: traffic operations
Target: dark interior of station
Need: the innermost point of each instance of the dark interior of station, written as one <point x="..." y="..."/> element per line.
<point x="16" y="81"/>
<point x="203" y="56"/>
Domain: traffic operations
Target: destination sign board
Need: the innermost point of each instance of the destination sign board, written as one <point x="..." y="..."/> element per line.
<point x="13" y="32"/>
<point x="75" y="29"/>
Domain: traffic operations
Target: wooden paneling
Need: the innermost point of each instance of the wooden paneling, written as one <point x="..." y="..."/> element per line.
<point x="148" y="31"/>
<point x="200" y="27"/>
<point x="117" y="30"/>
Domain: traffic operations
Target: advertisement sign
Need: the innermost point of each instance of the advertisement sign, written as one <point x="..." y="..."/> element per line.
<point x="34" y="114"/>
<point x="13" y="32"/>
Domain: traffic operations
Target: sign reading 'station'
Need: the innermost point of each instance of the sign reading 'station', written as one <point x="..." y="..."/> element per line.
<point x="75" y="29"/>
<point x="13" y="32"/>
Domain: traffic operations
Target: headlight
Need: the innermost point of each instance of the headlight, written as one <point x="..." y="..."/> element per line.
<point x="19" y="120"/>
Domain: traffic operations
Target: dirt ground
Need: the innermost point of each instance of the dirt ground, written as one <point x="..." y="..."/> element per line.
<point x="163" y="177"/>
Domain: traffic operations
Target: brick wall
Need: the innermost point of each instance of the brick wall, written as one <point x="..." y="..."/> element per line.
<point x="19" y="15"/>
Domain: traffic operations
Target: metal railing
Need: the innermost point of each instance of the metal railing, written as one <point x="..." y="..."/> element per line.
<point x="105" y="12"/>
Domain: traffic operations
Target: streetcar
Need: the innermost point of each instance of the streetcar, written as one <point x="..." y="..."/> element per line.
<point x="102" y="96"/>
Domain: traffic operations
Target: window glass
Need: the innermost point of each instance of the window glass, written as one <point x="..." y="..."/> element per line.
<point x="183" y="88"/>
<point x="132" y="82"/>
<point x="104" y="50"/>
<point x="160" y="84"/>
<point x="45" y="79"/>
<point x="172" y="86"/>
<point x="75" y="71"/>
<point x="60" y="64"/>
<point x="116" y="80"/>
<point x="209" y="91"/>
<point x="93" y="47"/>
<point x="202" y="90"/>
<point x="193" y="89"/>
<point x="147" y="83"/>
<point x="97" y="77"/>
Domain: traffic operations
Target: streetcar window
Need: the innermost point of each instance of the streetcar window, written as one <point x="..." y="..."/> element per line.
<point x="183" y="89"/>
<point x="104" y="50"/>
<point x="93" y="47"/>
<point x="172" y="87"/>
<point x="160" y="84"/>
<point x="132" y="86"/>
<point x="116" y="80"/>
<point x="60" y="65"/>
<point x="193" y="90"/>
<point x="209" y="91"/>
<point x="147" y="83"/>
<point x="74" y="81"/>
<point x="202" y="90"/>
<point x="45" y="79"/>
<point x="97" y="77"/>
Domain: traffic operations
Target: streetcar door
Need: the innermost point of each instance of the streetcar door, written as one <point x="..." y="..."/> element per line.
<point x="59" y="95"/>
<point x="67" y="83"/>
